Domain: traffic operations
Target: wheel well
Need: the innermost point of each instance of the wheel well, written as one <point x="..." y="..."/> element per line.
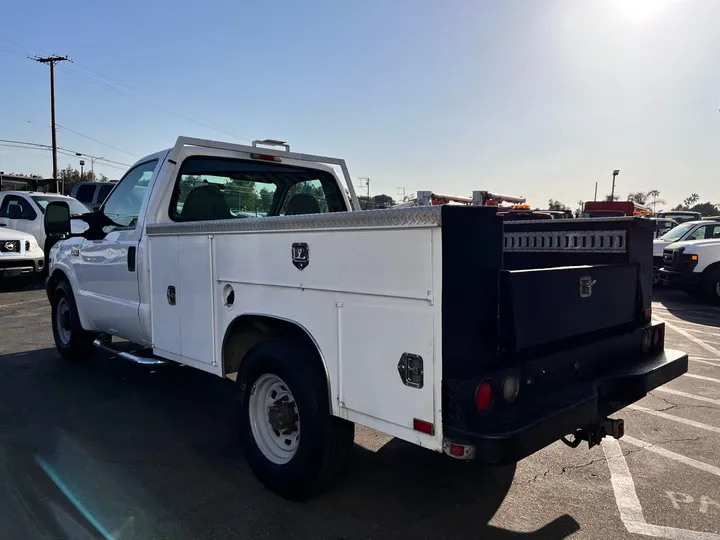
<point x="246" y="331"/>
<point x="710" y="269"/>
<point x="56" y="277"/>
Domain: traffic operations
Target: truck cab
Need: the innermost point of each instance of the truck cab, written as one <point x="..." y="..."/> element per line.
<point x="425" y="323"/>
<point x="688" y="231"/>
<point x="694" y="266"/>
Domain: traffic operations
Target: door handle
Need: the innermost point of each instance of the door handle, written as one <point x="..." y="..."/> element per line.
<point x="131" y="258"/>
<point x="3" y="224"/>
<point x="171" y="295"/>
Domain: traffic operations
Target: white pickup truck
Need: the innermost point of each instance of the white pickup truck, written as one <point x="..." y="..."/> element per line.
<point x="441" y="325"/>
<point x="694" y="266"/>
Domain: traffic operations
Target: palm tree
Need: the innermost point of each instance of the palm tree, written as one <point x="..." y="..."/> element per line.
<point x="654" y="194"/>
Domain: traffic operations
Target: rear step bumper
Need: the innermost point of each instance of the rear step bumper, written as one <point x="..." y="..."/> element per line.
<point x="583" y="405"/>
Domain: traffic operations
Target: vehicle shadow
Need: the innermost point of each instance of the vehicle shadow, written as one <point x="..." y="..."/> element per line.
<point x="21" y="283"/>
<point x="107" y="449"/>
<point x="683" y="306"/>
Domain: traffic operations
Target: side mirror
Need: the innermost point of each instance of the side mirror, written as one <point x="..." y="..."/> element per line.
<point x="57" y="219"/>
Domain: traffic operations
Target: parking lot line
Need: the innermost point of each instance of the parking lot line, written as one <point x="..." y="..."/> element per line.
<point x="684" y="322"/>
<point x="701" y="377"/>
<point x="674" y="418"/>
<point x="705" y="361"/>
<point x="712" y="469"/>
<point x="689" y="336"/>
<point x="628" y="502"/>
<point x="690" y="396"/>
<point x="23" y="302"/>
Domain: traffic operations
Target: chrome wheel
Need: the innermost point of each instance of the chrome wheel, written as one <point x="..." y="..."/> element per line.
<point x="63" y="321"/>
<point x="274" y="419"/>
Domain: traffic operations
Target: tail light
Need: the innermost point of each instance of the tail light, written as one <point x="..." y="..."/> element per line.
<point x="484" y="396"/>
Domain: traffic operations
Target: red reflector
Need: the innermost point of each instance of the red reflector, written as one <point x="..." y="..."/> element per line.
<point x="483" y="396"/>
<point x="456" y="450"/>
<point x="266" y="157"/>
<point x="648" y="314"/>
<point x="423" y="427"/>
<point x="656" y="336"/>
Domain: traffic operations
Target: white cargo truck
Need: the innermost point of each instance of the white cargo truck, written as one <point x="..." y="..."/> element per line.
<point x="430" y="324"/>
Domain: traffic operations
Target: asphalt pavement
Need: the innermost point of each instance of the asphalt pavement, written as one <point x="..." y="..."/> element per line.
<point x="108" y="449"/>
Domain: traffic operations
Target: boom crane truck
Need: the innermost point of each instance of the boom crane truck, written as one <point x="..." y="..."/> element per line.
<point x="461" y="357"/>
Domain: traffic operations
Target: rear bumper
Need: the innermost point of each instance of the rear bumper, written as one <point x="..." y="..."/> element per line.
<point x="538" y="423"/>
<point x="685" y="280"/>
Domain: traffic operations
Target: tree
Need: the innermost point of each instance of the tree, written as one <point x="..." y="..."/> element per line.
<point x="654" y="194"/>
<point x="383" y="201"/>
<point x="556" y="205"/>
<point x="706" y="209"/>
<point x="692" y="200"/>
<point x="638" y="197"/>
<point x="611" y="198"/>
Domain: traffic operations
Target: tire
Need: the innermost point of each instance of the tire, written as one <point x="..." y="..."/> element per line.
<point x="71" y="340"/>
<point x="711" y="286"/>
<point x="294" y="468"/>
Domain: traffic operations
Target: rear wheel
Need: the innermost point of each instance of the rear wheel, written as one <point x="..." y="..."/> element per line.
<point x="71" y="340"/>
<point x="292" y="443"/>
<point x="711" y="286"/>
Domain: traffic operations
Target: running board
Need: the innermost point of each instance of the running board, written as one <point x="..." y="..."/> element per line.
<point x="130" y="357"/>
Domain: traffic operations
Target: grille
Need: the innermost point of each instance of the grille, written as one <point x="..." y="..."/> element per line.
<point x="9" y="246"/>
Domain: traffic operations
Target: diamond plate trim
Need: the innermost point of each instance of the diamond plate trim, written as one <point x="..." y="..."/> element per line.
<point x="566" y="241"/>
<point x="419" y="216"/>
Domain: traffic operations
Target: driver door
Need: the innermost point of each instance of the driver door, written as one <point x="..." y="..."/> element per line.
<point x="107" y="268"/>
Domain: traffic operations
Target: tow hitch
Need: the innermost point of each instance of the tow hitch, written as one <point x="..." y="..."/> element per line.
<point x="595" y="433"/>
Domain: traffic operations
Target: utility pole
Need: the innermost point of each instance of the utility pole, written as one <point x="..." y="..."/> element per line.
<point x="595" y="199"/>
<point x="52" y="60"/>
<point x="367" y="185"/>
<point x="399" y="191"/>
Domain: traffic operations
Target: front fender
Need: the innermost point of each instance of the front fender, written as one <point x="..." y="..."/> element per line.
<point x="61" y="265"/>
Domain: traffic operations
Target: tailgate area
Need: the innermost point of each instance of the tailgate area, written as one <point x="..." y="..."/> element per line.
<point x="540" y="306"/>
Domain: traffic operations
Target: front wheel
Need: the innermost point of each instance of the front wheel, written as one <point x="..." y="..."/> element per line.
<point x="711" y="286"/>
<point x="292" y="443"/>
<point x="71" y="340"/>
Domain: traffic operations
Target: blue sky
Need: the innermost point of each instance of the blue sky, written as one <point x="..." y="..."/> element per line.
<point x="533" y="98"/>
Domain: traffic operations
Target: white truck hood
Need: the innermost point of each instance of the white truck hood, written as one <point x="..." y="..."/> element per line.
<point x="695" y="244"/>
<point x="12" y="234"/>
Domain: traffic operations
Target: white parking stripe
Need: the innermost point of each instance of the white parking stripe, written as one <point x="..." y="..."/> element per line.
<point x="712" y="469"/>
<point x="674" y="418"/>
<point x="629" y="505"/>
<point x="692" y="338"/>
<point x="23" y="302"/>
<point x="703" y="332"/>
<point x="704" y="361"/>
<point x="682" y="322"/>
<point x="701" y="377"/>
<point x="685" y="394"/>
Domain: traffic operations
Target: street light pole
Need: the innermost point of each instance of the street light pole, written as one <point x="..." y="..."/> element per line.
<point x="82" y="172"/>
<point x="595" y="198"/>
<point x="612" y="193"/>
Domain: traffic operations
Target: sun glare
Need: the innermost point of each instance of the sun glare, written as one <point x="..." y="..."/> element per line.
<point x="640" y="10"/>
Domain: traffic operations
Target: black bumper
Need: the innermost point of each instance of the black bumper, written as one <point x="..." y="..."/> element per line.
<point x="684" y="280"/>
<point x="539" y="423"/>
<point x="21" y="267"/>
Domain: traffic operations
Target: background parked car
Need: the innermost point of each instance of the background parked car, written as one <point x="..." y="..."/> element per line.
<point x="692" y="230"/>
<point x="23" y="211"/>
<point x="680" y="216"/>
<point x="92" y="194"/>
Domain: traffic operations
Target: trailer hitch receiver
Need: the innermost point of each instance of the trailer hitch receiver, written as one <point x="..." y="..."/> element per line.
<point x="595" y="433"/>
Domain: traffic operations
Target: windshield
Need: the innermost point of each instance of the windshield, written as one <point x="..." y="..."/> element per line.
<point x="678" y="232"/>
<point x="76" y="207"/>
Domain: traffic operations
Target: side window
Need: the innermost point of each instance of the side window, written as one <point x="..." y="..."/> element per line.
<point x="713" y="231"/>
<point x="14" y="207"/>
<point x="698" y="234"/>
<point x="85" y="193"/>
<point x="123" y="206"/>
<point x="306" y="197"/>
<point x="103" y="192"/>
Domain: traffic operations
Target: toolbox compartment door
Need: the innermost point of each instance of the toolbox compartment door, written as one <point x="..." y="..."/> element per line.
<point x="545" y="305"/>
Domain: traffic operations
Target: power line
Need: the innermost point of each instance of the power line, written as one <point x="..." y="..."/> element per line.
<point x="74" y="152"/>
<point x="95" y="140"/>
<point x="45" y="148"/>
